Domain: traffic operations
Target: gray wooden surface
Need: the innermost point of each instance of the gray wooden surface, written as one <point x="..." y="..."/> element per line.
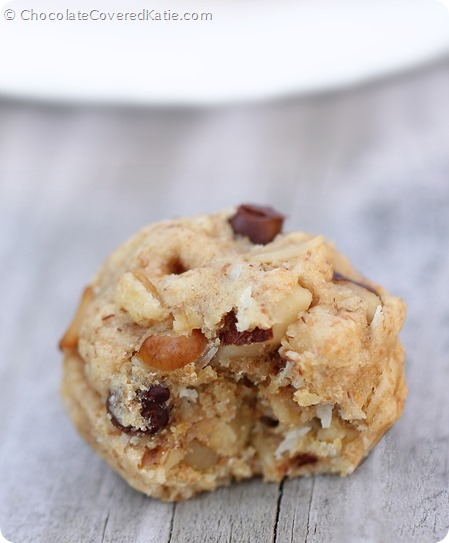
<point x="368" y="167"/>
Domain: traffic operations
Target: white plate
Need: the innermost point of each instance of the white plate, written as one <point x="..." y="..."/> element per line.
<point x="252" y="49"/>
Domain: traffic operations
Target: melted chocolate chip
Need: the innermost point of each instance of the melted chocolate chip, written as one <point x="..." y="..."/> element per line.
<point x="152" y="408"/>
<point x="339" y="277"/>
<point x="268" y="421"/>
<point x="247" y="382"/>
<point x="260" y="224"/>
<point x="229" y="335"/>
<point x="304" y="459"/>
<point x="156" y="416"/>
<point x="110" y="409"/>
<point x="156" y="393"/>
<point x="127" y="429"/>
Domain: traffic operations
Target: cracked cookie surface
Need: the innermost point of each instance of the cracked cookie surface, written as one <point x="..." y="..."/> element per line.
<point x="217" y="348"/>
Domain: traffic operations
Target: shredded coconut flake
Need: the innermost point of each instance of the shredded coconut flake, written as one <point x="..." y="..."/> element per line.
<point x="286" y="372"/>
<point x="290" y="440"/>
<point x="324" y="412"/>
<point x="292" y="355"/>
<point x="189" y="393"/>
<point x="207" y="357"/>
<point x="378" y="318"/>
<point x="124" y="439"/>
<point x="286" y="253"/>
<point x="235" y="270"/>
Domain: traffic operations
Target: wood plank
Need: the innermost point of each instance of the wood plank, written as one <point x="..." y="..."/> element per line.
<point x="295" y="508"/>
<point x="368" y="168"/>
<point x="243" y="513"/>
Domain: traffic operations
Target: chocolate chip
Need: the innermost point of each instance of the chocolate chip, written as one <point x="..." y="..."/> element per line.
<point x="229" y="335"/>
<point x="339" y="277"/>
<point x="260" y="224"/>
<point x="154" y="412"/>
<point x="268" y="421"/>
<point x="155" y="415"/>
<point x="247" y="382"/>
<point x="127" y="429"/>
<point x="156" y="393"/>
<point x="304" y="459"/>
<point x="110" y="405"/>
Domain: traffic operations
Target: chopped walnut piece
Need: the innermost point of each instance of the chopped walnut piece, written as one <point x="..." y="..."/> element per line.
<point x="168" y="353"/>
<point x="200" y="457"/>
<point x="286" y="311"/>
<point x="142" y="278"/>
<point x="69" y="341"/>
<point x="137" y="295"/>
<point x="151" y="458"/>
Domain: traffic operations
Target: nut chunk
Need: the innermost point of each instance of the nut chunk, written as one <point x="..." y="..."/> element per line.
<point x="139" y="298"/>
<point x="69" y="342"/>
<point x="220" y="348"/>
<point x="168" y="353"/>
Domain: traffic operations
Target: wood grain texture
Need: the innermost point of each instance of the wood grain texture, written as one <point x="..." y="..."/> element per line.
<point x="369" y="168"/>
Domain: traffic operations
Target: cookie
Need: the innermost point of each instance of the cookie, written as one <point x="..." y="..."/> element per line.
<point x="217" y="348"/>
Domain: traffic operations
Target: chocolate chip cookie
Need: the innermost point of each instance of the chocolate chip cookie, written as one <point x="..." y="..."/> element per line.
<point x="217" y="348"/>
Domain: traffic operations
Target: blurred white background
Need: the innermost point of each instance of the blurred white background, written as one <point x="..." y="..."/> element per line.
<point x="241" y="50"/>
